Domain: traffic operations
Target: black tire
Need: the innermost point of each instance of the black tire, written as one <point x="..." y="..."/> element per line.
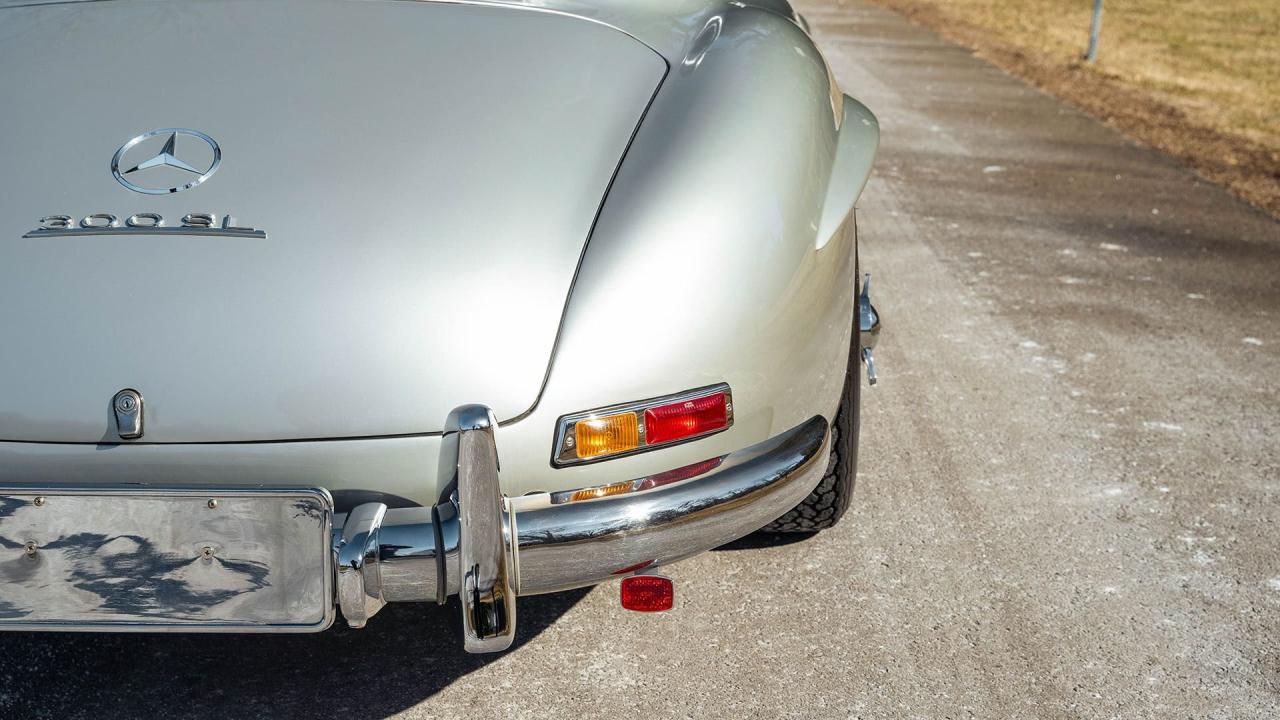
<point x="830" y="499"/>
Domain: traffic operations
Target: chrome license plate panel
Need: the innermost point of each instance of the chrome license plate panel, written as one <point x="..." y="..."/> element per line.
<point x="152" y="559"/>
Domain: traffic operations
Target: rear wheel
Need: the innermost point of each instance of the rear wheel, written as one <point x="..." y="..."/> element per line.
<point x="830" y="499"/>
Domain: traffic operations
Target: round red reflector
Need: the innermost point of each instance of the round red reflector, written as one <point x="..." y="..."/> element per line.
<point x="648" y="593"/>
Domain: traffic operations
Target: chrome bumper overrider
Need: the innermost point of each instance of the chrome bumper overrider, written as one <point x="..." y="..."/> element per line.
<point x="236" y="559"/>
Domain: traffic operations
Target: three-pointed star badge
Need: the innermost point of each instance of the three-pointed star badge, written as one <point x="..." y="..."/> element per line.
<point x="165" y="158"/>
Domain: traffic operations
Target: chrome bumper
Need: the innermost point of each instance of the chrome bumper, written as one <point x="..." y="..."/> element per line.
<point x="489" y="549"/>
<point x="190" y="559"/>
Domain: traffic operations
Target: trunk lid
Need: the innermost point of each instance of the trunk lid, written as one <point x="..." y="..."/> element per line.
<point x="426" y="175"/>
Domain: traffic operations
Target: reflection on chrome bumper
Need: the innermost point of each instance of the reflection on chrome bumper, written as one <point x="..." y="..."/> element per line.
<point x="567" y="546"/>
<point x="530" y="545"/>
<point x="236" y="559"/>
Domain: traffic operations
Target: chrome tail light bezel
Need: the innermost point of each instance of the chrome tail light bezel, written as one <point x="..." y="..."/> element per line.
<point x="564" y="452"/>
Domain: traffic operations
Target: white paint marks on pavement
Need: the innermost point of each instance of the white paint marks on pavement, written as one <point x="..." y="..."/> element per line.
<point x="1113" y="247"/>
<point x="993" y="169"/>
<point x="1157" y="425"/>
<point x="1253" y="341"/>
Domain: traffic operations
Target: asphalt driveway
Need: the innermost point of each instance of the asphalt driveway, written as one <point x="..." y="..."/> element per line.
<point x="1068" y="498"/>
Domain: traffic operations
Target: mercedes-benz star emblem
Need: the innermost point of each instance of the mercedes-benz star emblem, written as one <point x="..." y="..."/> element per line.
<point x="144" y="165"/>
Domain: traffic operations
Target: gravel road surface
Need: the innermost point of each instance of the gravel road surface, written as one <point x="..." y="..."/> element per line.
<point x="1068" y="498"/>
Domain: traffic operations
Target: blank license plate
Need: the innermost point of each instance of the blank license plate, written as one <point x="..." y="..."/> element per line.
<point x="142" y="558"/>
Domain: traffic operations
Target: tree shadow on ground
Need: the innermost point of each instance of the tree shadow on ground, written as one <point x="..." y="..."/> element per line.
<point x="406" y="654"/>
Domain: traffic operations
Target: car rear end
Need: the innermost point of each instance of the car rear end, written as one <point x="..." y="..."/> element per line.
<point x="302" y="317"/>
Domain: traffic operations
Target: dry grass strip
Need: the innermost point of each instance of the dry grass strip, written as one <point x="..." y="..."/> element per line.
<point x="1198" y="80"/>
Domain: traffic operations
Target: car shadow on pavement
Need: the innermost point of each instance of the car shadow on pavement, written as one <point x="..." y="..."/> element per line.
<point x="763" y="540"/>
<point x="406" y="654"/>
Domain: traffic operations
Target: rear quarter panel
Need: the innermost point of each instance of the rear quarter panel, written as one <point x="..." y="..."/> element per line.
<point x="706" y="264"/>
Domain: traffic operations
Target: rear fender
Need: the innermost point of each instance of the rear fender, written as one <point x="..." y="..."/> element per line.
<point x="705" y="264"/>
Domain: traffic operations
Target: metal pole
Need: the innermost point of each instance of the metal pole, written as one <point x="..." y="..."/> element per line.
<point x="1091" y="55"/>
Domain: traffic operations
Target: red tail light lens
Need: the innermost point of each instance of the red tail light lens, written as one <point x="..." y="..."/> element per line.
<point x="629" y="428"/>
<point x="679" y="420"/>
<point x="648" y="593"/>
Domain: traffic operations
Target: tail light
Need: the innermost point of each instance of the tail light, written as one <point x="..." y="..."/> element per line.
<point x="688" y="418"/>
<point x="635" y="427"/>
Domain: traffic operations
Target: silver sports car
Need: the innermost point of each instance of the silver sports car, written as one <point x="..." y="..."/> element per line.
<point x="308" y="306"/>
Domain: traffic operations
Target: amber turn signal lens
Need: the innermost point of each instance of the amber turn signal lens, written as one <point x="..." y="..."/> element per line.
<point x="607" y="435"/>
